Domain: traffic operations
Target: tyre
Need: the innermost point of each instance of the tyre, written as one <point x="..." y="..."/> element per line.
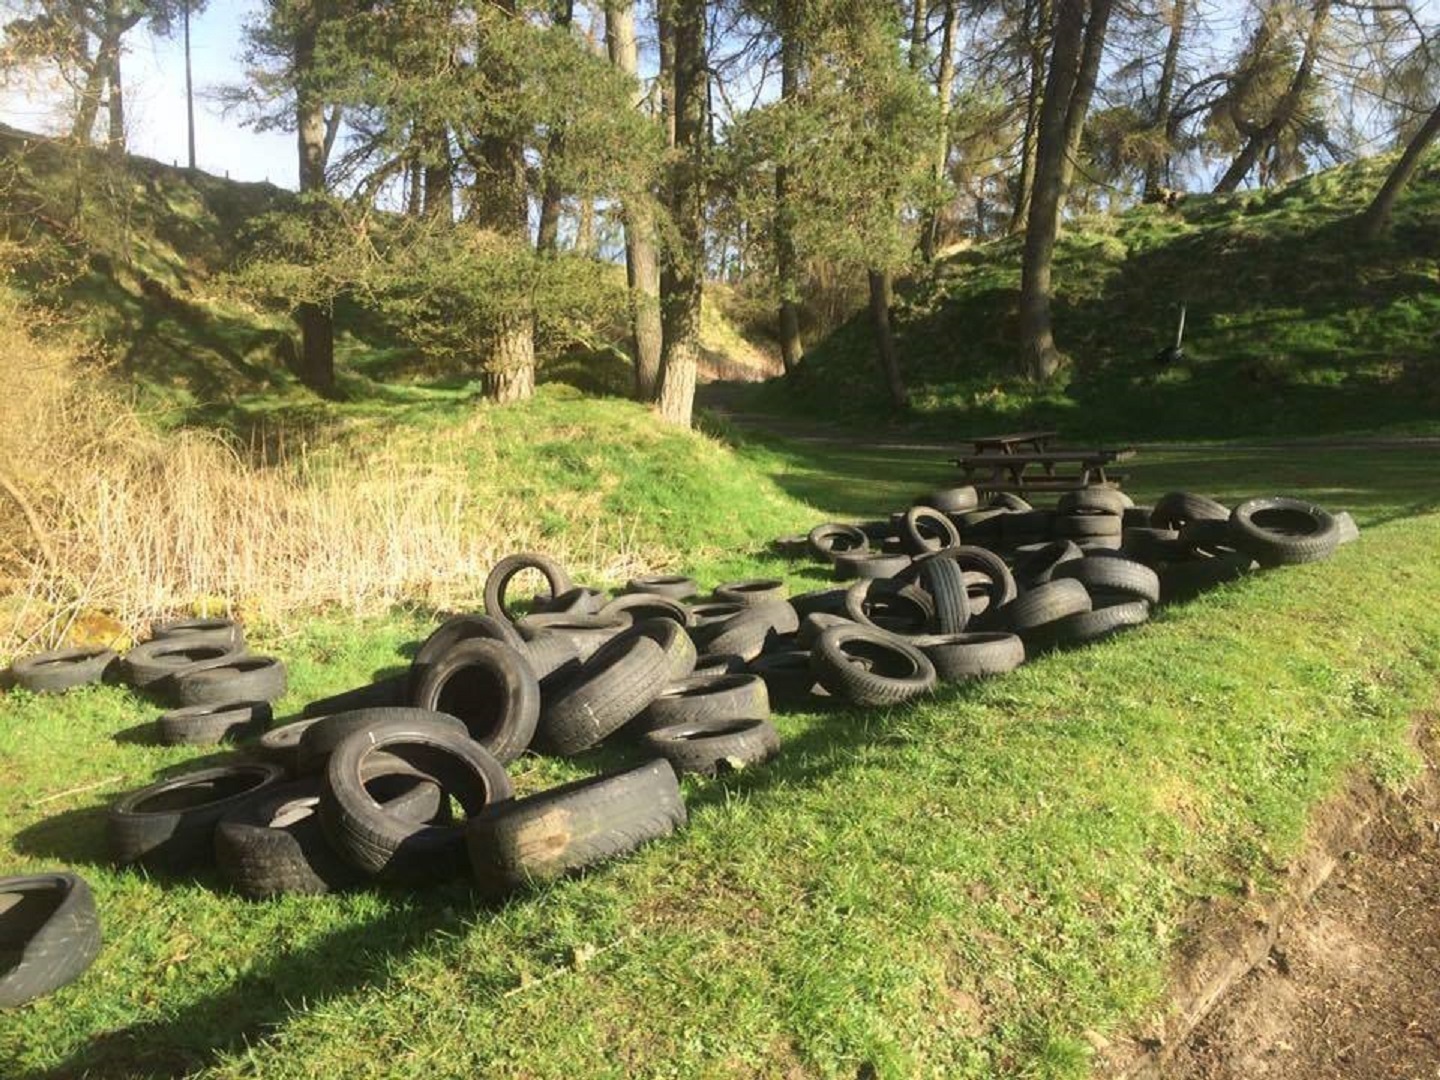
<point x="679" y="649"/>
<point x="543" y="837"/>
<point x="553" y="657"/>
<point x="1027" y="527"/>
<point x="972" y="656"/>
<point x="610" y="690"/>
<point x="791" y="547"/>
<point x="832" y="538"/>
<point x="705" y="619"/>
<point x="1091" y="500"/>
<point x="316" y="742"/>
<point x="1206" y="539"/>
<point x="60" y="670"/>
<point x="281" y="745"/>
<point x="707" y="697"/>
<point x="812" y="626"/>
<point x="954" y="500"/>
<point x="49" y="934"/>
<point x="206" y="725"/>
<point x="1181" y="507"/>
<point x="497" y="583"/>
<point x="1036" y="563"/>
<point x="1007" y="501"/>
<point x="577" y="601"/>
<point x="277" y="845"/>
<point x="1151" y="546"/>
<point x="444" y="638"/>
<point x="641" y="606"/>
<point x="386" y="844"/>
<point x="1132" y="579"/>
<point x="745" y="635"/>
<point x="821" y="601"/>
<point x="890" y="607"/>
<point x="1185" y="580"/>
<point x="870" y="565"/>
<point x="170" y="825"/>
<point x="242" y="678"/>
<point x="787" y="676"/>
<point x="586" y="632"/>
<point x="868" y="667"/>
<point x="149" y="665"/>
<point x="1090" y="626"/>
<point x="1283" y="532"/>
<point x="945" y="582"/>
<point x="1088" y="526"/>
<point x="1044" y="604"/>
<point x="988" y="581"/>
<point x="225" y="632"/>
<point x="719" y="664"/>
<point x="751" y="593"/>
<point x="711" y="747"/>
<point x="490" y="688"/>
<point x="383" y="694"/>
<point x="926" y="529"/>
<point x="674" y="586"/>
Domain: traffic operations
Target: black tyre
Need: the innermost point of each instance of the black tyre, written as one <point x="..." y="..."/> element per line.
<point x="490" y="688"/>
<point x="1044" y="604"/>
<point x="586" y="632"/>
<point x="1091" y="626"/>
<point x="926" y="529"/>
<point x="1137" y="517"/>
<point x="751" y="593"/>
<point x="821" y="601"/>
<point x="383" y="694"/>
<point x="719" y="664"/>
<point x="243" y="678"/>
<point x="945" y="582"/>
<point x="546" y="836"/>
<point x="890" y="606"/>
<point x="1027" y="527"/>
<point x="553" y="657"/>
<point x="49" y="934"/>
<point x="60" y="670"/>
<point x="316" y="742"/>
<point x="746" y="634"/>
<point x="812" y="626"/>
<point x="170" y="825"/>
<point x="225" y="632"/>
<point x="580" y="600"/>
<point x="449" y="634"/>
<point x="498" y="582"/>
<point x="789" y="681"/>
<point x="707" y="697"/>
<point x="1088" y="526"/>
<point x="281" y="745"/>
<point x="610" y="690"/>
<point x="1092" y="500"/>
<point x="1278" y="531"/>
<point x="1181" y="507"/>
<point x="711" y="747"/>
<point x="277" y="845"/>
<point x="675" y="586"/>
<point x="1185" y="580"/>
<point x="992" y="580"/>
<point x="1113" y="575"/>
<point x="680" y="653"/>
<point x="640" y="606"/>
<point x="972" y="656"/>
<point x="832" y="538"/>
<point x="1150" y="546"/>
<point x="1036" y="563"/>
<point x="379" y="842"/>
<point x="1206" y="539"/>
<point x="954" y="500"/>
<point x="206" y="725"/>
<point x="151" y="664"/>
<point x="791" y="547"/>
<point x="869" y="565"/>
<point x="868" y="667"/>
<point x="1007" y="501"/>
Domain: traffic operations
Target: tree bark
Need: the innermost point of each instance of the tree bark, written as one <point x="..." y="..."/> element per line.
<point x="440" y="179"/>
<point x="414" y="188"/>
<point x="83" y="129"/>
<point x="665" y="77"/>
<point x="1262" y="139"/>
<point x="682" y="281"/>
<point x="1069" y="84"/>
<point x="787" y="271"/>
<point x="547" y="235"/>
<point x="919" y="31"/>
<point x="881" y="296"/>
<point x="945" y="90"/>
<point x="317" y="329"/>
<point x="1377" y="215"/>
<point x="1037" y="14"/>
<point x="642" y="267"/>
<point x="1157" y="166"/>
<point x="189" y="89"/>
<point x="115" y="101"/>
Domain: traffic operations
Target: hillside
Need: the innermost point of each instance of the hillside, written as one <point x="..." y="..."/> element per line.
<point x="1295" y="326"/>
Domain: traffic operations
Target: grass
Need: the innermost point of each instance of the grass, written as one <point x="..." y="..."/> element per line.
<point x="980" y="885"/>
<point x="1296" y="326"/>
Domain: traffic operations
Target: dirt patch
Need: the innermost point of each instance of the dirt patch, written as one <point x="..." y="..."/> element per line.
<point x="1335" y="975"/>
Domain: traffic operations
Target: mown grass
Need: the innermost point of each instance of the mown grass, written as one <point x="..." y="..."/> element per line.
<point x="1296" y="326"/>
<point x="980" y="885"/>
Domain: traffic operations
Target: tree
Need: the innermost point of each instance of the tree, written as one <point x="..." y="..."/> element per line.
<point x="1377" y="215"/>
<point x="1078" y="43"/>
<point x="787" y="270"/>
<point x="945" y="96"/>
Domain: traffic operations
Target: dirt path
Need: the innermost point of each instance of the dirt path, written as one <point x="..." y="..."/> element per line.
<point x="1352" y="987"/>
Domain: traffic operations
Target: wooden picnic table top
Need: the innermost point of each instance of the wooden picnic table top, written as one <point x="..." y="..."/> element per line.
<point x="1004" y="442"/>
<point x="1099" y="456"/>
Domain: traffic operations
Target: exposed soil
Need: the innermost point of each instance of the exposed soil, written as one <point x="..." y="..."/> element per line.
<point x="1351" y="985"/>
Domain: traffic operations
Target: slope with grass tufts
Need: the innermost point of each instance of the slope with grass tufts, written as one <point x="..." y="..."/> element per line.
<point x="1295" y="326"/>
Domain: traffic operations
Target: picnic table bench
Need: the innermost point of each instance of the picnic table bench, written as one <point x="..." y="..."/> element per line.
<point x="1018" y="442"/>
<point x="1011" y="470"/>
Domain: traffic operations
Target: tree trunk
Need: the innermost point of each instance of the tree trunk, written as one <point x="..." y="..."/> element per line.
<point x="83" y="130"/>
<point x="317" y="329"/>
<point x="415" y="188"/>
<point x="683" y="279"/>
<point x="585" y="227"/>
<point x="945" y="90"/>
<point x="547" y="234"/>
<point x="1157" y="166"/>
<point x="110" y="51"/>
<point x="642" y="267"/>
<point x="1076" y="44"/>
<point x="787" y="271"/>
<point x="1037" y="13"/>
<point x="440" y="180"/>
<point x="189" y="89"/>
<point x="499" y="202"/>
<point x="508" y="356"/>
<point x="919" y="31"/>
<point x="881" y="296"/>
<point x="1377" y="214"/>
<point x="1262" y="139"/>
<point x="665" y="77"/>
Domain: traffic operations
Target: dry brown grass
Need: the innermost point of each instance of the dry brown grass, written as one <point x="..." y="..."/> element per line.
<point x="107" y="523"/>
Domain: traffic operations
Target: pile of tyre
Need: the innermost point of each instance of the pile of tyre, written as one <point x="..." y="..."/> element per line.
<point x="405" y="780"/>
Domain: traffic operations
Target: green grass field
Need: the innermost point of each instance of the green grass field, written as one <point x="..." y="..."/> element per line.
<point x="978" y="885"/>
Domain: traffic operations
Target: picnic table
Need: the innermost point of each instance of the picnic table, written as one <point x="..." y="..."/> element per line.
<point x="999" y="464"/>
